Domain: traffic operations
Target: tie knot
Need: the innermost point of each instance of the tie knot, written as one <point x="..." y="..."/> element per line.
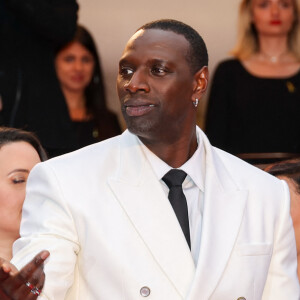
<point x="174" y="178"/>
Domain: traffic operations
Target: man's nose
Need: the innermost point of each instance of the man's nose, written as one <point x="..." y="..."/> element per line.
<point x="137" y="82"/>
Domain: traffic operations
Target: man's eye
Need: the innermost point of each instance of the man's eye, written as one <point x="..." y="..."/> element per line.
<point x="158" y="70"/>
<point x="126" y="71"/>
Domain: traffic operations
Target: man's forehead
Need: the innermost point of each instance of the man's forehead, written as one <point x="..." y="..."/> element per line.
<point x="157" y="39"/>
<point x="136" y="35"/>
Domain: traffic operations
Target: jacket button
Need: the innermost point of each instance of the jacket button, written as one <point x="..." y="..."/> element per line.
<point x="145" y="291"/>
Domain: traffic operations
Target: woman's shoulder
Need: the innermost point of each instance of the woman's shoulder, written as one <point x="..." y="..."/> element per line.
<point x="231" y="65"/>
<point x="229" y="68"/>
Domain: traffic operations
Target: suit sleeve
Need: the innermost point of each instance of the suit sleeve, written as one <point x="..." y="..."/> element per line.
<point x="47" y="223"/>
<point x="282" y="281"/>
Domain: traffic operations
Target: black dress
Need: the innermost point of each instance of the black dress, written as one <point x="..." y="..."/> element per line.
<point x="249" y="114"/>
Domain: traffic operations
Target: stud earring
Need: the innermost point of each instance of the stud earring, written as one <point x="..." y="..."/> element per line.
<point x="196" y="102"/>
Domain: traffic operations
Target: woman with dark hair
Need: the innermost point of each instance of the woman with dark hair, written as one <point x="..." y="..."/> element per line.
<point x="254" y="99"/>
<point x="289" y="171"/>
<point x="79" y="73"/>
<point x="20" y="151"/>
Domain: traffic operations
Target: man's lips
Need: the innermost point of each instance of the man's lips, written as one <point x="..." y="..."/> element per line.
<point x="138" y="110"/>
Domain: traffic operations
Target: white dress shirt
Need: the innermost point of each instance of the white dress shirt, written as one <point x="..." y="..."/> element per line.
<point x="193" y="189"/>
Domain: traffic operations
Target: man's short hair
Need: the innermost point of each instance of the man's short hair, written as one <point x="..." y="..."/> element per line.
<point x="197" y="56"/>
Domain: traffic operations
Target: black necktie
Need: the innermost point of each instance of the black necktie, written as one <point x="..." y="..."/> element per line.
<point x="174" y="179"/>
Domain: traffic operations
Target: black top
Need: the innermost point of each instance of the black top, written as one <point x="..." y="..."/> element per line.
<point x="249" y="114"/>
<point x="89" y="132"/>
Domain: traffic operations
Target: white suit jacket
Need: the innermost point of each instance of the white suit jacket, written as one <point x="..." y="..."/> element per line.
<point x="113" y="235"/>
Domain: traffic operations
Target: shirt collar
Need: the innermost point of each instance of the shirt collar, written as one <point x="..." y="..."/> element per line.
<point x="160" y="168"/>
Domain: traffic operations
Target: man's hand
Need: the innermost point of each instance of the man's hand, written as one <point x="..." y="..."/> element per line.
<point x="26" y="284"/>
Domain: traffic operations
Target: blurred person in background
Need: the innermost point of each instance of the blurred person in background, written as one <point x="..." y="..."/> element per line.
<point x="80" y="76"/>
<point x="254" y="99"/>
<point x="31" y="98"/>
<point x="290" y="171"/>
<point x="20" y="151"/>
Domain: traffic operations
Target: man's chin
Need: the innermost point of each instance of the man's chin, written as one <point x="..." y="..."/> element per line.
<point x="141" y="129"/>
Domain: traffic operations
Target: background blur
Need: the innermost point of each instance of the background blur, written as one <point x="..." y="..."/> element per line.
<point x="113" y="22"/>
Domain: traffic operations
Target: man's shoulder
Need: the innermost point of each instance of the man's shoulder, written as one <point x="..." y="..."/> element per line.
<point x="247" y="176"/>
<point x="234" y="164"/>
<point x="90" y="152"/>
<point x="97" y="155"/>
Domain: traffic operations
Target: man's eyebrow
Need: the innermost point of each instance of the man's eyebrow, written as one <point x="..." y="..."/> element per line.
<point x="18" y="170"/>
<point x="123" y="61"/>
<point x="162" y="62"/>
<point x="158" y="60"/>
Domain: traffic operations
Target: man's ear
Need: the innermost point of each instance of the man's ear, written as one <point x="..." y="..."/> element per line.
<point x="200" y="83"/>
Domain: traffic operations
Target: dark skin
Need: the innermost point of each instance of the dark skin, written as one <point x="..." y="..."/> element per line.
<point x="157" y="89"/>
<point x="13" y="282"/>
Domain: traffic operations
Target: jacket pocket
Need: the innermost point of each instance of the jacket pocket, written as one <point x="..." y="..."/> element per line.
<point x="254" y="249"/>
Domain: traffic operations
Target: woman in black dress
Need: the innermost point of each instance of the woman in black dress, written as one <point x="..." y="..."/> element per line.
<point x="254" y="103"/>
<point x="79" y="73"/>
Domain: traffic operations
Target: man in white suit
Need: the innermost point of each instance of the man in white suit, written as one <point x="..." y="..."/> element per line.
<point x="104" y="215"/>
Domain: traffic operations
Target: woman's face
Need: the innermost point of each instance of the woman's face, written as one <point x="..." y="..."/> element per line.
<point x="74" y="67"/>
<point x="273" y="17"/>
<point x="16" y="161"/>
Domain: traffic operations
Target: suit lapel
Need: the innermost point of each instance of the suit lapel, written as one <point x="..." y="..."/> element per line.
<point x="224" y="205"/>
<point x="141" y="196"/>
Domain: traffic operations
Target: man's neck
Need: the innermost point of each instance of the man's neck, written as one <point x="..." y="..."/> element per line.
<point x="175" y="154"/>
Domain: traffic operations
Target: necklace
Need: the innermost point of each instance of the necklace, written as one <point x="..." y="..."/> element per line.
<point x="273" y="58"/>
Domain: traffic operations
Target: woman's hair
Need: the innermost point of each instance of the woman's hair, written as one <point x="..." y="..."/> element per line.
<point x="288" y="168"/>
<point x="247" y="40"/>
<point x="12" y="135"/>
<point x="95" y="91"/>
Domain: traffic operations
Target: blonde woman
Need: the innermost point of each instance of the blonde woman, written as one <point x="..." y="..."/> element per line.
<point x="254" y="102"/>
